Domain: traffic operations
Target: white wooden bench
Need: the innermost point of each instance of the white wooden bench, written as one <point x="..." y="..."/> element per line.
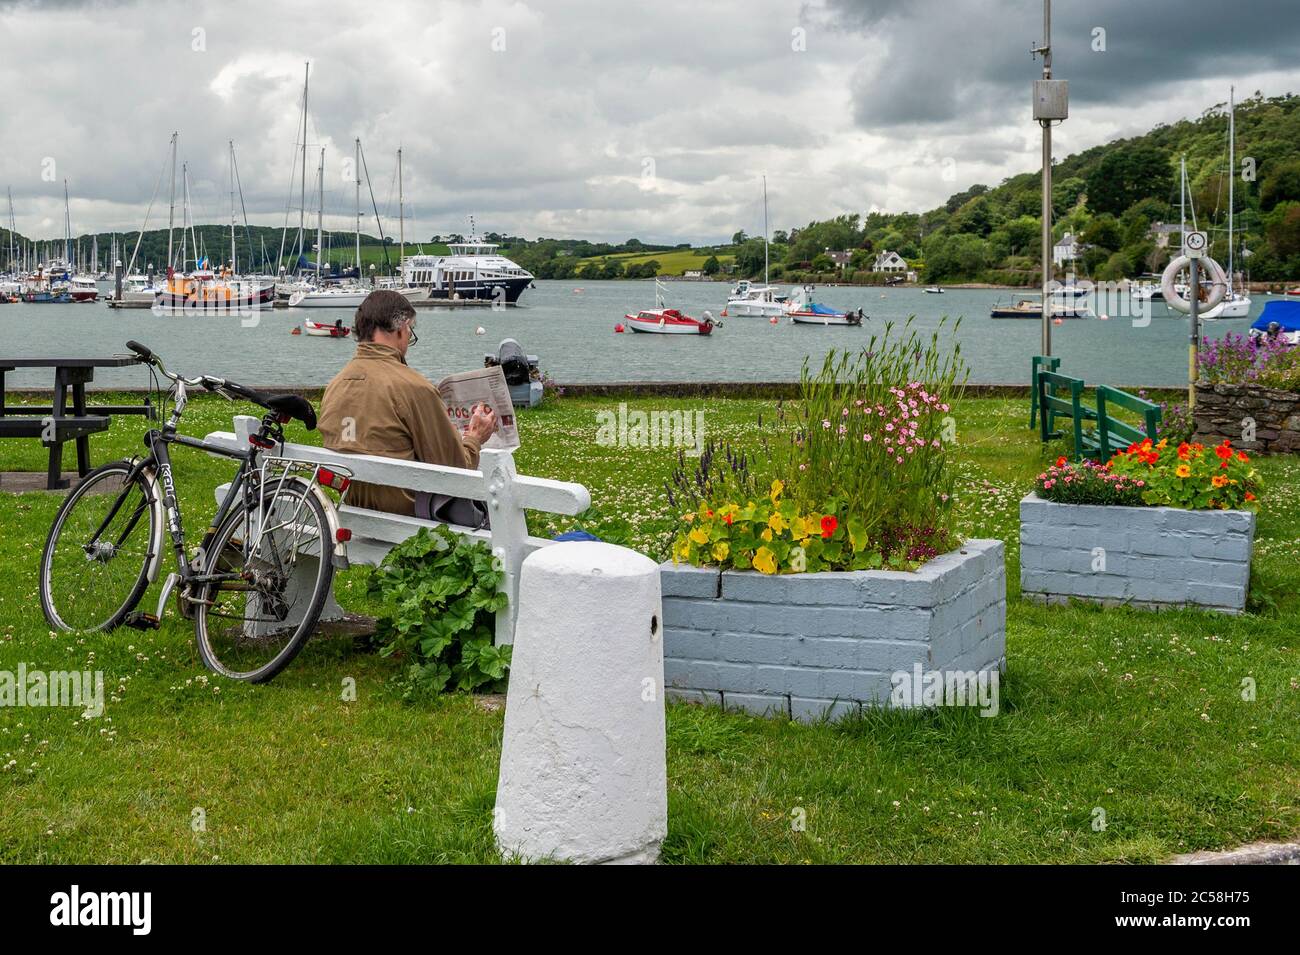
<point x="507" y="494"/>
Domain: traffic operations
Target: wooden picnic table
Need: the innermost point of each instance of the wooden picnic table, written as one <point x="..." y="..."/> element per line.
<point x="58" y="423"/>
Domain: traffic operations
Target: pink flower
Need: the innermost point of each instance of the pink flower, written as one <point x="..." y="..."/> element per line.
<point x="825" y="423"/>
<point x="844" y="413"/>
<point x="866" y="437"/>
<point x="889" y="426"/>
<point x="899" y="459"/>
<point x="1048" y="484"/>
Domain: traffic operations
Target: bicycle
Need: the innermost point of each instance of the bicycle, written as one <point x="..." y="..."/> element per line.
<point x="258" y="580"/>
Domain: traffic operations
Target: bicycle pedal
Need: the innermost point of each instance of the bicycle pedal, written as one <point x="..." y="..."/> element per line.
<point x="141" y="621"/>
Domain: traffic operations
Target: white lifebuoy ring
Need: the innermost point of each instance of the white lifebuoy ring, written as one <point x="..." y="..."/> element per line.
<point x="1217" y="283"/>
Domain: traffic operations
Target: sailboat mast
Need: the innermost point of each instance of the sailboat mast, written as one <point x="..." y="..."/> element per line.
<point x="67" y="226"/>
<point x="401" y="212"/>
<point x="302" y="199"/>
<point x="1232" y="174"/>
<point x="11" y="228"/>
<point x="1182" y="197"/>
<point x="357" y="163"/>
<point x="765" y="230"/>
<point x="320" y="215"/>
<point x="234" y="259"/>
<point x="171" y="214"/>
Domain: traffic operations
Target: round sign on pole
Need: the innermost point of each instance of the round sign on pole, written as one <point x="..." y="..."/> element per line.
<point x="1194" y="244"/>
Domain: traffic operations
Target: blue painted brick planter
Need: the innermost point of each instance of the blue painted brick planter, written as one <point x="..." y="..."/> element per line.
<point x="1142" y="556"/>
<point x="805" y="645"/>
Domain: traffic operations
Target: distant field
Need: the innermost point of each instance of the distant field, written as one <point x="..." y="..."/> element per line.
<point x="342" y="253"/>
<point x="671" y="263"/>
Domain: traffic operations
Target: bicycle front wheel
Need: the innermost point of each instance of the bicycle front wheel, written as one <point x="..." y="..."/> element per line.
<point x="270" y="571"/>
<point x="95" y="565"/>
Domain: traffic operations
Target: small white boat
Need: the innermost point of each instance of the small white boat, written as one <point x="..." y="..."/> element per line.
<point x="754" y="301"/>
<point x="1235" y="305"/>
<point x="343" y="296"/>
<point x="804" y="311"/>
<point x="934" y="290"/>
<point x="326" y="329"/>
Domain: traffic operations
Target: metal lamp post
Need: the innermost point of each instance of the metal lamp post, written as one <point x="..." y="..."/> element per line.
<point x="1051" y="103"/>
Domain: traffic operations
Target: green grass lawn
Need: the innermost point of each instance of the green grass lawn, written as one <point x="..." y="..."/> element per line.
<point x="670" y="263"/>
<point x="1137" y="714"/>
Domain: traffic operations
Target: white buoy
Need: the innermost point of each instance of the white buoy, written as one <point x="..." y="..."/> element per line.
<point x="480" y="330"/>
<point x="583" y="775"/>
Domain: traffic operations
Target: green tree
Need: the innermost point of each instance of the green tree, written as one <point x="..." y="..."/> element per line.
<point x="1024" y="233"/>
<point x="1283" y="185"/>
<point x="1128" y="174"/>
<point x="823" y="263"/>
<point x="711" y="266"/>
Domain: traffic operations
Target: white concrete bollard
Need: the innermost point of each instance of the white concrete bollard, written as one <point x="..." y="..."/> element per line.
<point x="583" y="774"/>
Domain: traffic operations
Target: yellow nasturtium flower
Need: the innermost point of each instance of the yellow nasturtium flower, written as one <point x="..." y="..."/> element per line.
<point x="720" y="550"/>
<point x="798" y="560"/>
<point x="777" y="488"/>
<point x="766" y="534"/>
<point x="682" y="551"/>
<point x="699" y="535"/>
<point x="777" y="522"/>
<point x="764" y="561"/>
<point x="801" y="528"/>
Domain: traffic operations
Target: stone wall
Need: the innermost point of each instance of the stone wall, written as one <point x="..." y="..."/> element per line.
<point x="808" y="645"/>
<point x="1226" y="411"/>
<point x="1142" y="556"/>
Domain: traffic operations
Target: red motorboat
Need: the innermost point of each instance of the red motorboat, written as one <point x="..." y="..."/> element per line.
<point x="668" y="321"/>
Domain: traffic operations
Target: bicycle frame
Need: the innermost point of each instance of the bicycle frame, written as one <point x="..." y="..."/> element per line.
<point x="155" y="470"/>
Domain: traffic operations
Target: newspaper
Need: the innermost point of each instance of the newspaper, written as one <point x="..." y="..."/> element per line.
<point x="465" y="390"/>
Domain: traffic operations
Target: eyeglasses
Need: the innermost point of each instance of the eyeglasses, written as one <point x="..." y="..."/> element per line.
<point x="410" y="327"/>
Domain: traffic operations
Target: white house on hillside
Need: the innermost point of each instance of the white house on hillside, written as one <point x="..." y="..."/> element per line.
<point x="889" y="262"/>
<point x="1067" y="249"/>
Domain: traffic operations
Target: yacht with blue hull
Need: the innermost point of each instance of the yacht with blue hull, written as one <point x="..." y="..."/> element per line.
<point x="471" y="269"/>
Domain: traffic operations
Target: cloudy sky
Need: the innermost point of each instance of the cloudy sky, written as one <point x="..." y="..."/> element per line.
<point x="601" y="119"/>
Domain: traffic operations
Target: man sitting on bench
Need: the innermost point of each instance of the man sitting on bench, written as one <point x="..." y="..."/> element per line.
<point x="378" y="405"/>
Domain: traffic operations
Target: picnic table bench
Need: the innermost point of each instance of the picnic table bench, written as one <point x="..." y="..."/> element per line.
<point x="1097" y="433"/>
<point x="56" y="424"/>
<point x="373" y="534"/>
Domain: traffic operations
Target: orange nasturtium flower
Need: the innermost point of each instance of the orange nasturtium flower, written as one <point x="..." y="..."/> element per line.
<point x="1184" y="451"/>
<point x="1218" y="480"/>
<point x="1183" y="471"/>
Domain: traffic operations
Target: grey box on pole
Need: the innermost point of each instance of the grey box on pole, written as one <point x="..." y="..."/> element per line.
<point x="1051" y="99"/>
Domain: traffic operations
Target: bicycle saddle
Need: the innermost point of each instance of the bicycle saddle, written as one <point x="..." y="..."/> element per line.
<point x="295" y="406"/>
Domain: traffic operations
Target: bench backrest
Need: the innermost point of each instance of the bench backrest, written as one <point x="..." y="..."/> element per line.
<point x="506" y="493"/>
<point x="1051" y="403"/>
<point x="1044" y="363"/>
<point x="1114" y="434"/>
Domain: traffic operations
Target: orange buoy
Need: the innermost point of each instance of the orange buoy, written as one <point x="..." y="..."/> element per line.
<point x="772" y="320"/>
<point x="618" y="327"/>
<point x="1058" y="321"/>
<point x="296" y="331"/>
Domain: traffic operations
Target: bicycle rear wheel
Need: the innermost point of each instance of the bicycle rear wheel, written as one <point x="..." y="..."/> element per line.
<point x="95" y="565"/>
<point x="273" y="572"/>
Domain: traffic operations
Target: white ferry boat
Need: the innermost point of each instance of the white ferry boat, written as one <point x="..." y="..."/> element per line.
<point x="472" y="269"/>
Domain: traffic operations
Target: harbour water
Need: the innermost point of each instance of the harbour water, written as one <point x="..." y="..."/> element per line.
<point x="570" y="326"/>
